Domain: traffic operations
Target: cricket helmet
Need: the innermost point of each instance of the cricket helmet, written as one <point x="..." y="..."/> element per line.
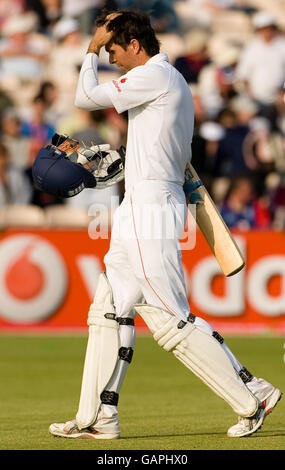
<point x="55" y="174"/>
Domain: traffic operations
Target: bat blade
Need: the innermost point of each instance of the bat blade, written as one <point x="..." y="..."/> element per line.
<point x="212" y="225"/>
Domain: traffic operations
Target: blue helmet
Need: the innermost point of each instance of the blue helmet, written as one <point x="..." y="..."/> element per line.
<point x="55" y="174"/>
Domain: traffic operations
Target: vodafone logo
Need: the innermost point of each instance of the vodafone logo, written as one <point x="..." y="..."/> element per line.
<point x="33" y="279"/>
<point x="251" y="285"/>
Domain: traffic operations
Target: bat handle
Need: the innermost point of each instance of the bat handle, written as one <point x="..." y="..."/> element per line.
<point x="189" y="190"/>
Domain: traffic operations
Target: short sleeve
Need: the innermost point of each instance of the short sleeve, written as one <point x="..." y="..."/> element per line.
<point x="141" y="85"/>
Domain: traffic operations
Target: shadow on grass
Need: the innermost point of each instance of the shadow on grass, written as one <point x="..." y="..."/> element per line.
<point x="188" y="434"/>
<point x="278" y="433"/>
<point x="263" y="434"/>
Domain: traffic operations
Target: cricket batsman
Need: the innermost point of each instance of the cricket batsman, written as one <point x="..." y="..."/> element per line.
<point x="144" y="274"/>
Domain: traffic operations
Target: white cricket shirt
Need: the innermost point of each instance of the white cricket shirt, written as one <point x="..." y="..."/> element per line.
<point x="160" y="111"/>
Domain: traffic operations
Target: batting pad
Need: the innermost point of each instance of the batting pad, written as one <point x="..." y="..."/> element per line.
<point x="101" y="353"/>
<point x="202" y="354"/>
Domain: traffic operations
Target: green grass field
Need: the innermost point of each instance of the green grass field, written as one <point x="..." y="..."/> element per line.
<point x="162" y="405"/>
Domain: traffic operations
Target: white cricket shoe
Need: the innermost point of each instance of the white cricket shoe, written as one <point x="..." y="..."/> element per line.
<point x="247" y="426"/>
<point x="71" y="430"/>
<point x="268" y="396"/>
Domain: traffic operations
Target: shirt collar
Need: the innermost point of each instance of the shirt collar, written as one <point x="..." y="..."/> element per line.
<point x="161" y="57"/>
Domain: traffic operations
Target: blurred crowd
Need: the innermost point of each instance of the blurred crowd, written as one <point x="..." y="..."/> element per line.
<point x="230" y="52"/>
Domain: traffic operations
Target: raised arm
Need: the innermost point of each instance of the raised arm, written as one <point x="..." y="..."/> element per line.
<point x="89" y="94"/>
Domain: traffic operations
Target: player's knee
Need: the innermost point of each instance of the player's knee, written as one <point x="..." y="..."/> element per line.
<point x="102" y="310"/>
<point x="201" y="324"/>
<point x="102" y="305"/>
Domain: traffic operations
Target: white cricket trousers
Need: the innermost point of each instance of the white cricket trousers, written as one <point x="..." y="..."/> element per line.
<point x="144" y="259"/>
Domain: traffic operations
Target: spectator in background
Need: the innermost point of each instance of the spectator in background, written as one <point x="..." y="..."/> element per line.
<point x="229" y="158"/>
<point x="277" y="203"/>
<point x="16" y="144"/>
<point x="39" y="132"/>
<point x="49" y="94"/>
<point x="6" y="102"/>
<point x="47" y="11"/>
<point x="90" y="134"/>
<point x="262" y="64"/>
<point x="199" y="107"/>
<point x="263" y="150"/>
<point x="230" y="154"/>
<point x="22" y="54"/>
<point x="14" y="185"/>
<point x="245" y="110"/>
<point x="216" y="80"/>
<point x="10" y="8"/>
<point x="36" y="128"/>
<point x="111" y="126"/>
<point x="162" y="13"/>
<point x="204" y="149"/>
<point x="65" y="60"/>
<point x="280" y="107"/>
<point x="264" y="153"/>
<point x="242" y="209"/>
<point x="115" y="128"/>
<point x="203" y="11"/>
<point x="86" y="11"/>
<point x="195" y="57"/>
<point x="262" y="146"/>
<point x="74" y="123"/>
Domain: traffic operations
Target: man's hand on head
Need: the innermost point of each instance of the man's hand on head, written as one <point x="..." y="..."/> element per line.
<point x="100" y="39"/>
<point x="102" y="36"/>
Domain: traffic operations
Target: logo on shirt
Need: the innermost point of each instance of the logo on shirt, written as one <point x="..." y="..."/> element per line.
<point x="116" y="84"/>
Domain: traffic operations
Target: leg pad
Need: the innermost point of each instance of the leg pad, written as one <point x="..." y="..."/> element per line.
<point x="202" y="354"/>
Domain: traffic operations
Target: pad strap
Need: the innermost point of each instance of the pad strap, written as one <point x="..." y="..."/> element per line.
<point x="245" y="375"/>
<point x="109" y="398"/>
<point x="125" y="321"/>
<point x="126" y="354"/>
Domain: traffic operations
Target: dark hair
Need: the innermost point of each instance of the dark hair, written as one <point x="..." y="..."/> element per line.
<point x="130" y="25"/>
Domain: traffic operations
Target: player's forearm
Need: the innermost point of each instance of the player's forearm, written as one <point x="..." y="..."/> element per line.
<point x="87" y="81"/>
<point x="89" y="94"/>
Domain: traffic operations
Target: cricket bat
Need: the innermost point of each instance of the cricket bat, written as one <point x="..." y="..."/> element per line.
<point x="212" y="225"/>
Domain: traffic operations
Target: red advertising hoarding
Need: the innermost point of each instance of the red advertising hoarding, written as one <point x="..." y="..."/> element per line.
<point x="48" y="279"/>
